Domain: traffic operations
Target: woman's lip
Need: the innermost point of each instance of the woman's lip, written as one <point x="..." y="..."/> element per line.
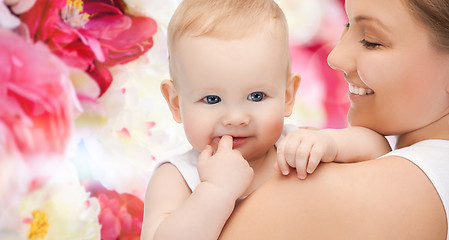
<point x="353" y="98"/>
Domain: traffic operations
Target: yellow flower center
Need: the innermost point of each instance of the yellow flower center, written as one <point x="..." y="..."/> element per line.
<point x="72" y="14"/>
<point x="78" y="4"/>
<point x="39" y="226"/>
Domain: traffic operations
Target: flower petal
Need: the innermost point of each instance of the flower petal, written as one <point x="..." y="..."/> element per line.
<point x="100" y="9"/>
<point x="103" y="77"/>
<point x="36" y="94"/>
<point x="130" y="43"/>
<point x="22" y="6"/>
<point x="7" y="20"/>
<point x="108" y="27"/>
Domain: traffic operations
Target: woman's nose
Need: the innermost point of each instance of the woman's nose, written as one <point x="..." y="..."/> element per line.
<point x="236" y="117"/>
<point x="342" y="57"/>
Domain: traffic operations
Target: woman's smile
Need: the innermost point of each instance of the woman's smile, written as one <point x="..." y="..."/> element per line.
<point x="360" y="90"/>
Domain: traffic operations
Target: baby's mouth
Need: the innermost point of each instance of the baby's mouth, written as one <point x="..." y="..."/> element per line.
<point x="359" y="90"/>
<point x="236" y="141"/>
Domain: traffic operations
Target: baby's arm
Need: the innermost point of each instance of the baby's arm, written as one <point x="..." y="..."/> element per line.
<point x="305" y="148"/>
<point x="173" y="212"/>
<point x="357" y="144"/>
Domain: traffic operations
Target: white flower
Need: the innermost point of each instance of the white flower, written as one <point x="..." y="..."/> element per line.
<point x="14" y="182"/>
<point x="133" y="127"/>
<point x="18" y="176"/>
<point x="19" y="6"/>
<point x="61" y="209"/>
<point x="137" y="129"/>
<point x="159" y="10"/>
<point x="312" y="20"/>
<point x="8" y="235"/>
<point x="7" y="19"/>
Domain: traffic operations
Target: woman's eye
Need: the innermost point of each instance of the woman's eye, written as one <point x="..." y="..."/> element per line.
<point x="212" y="99"/>
<point x="370" y="45"/>
<point x="256" y="96"/>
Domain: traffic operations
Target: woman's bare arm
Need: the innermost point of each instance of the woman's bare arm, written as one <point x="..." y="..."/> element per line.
<point x="389" y="198"/>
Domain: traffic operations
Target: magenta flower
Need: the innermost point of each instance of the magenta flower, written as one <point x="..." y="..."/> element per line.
<point x="121" y="215"/>
<point x="36" y="98"/>
<point x="91" y="35"/>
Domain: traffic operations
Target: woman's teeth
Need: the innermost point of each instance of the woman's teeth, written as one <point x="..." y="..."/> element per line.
<point x="360" y="91"/>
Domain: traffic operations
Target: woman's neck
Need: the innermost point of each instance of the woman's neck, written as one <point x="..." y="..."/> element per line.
<point x="436" y="130"/>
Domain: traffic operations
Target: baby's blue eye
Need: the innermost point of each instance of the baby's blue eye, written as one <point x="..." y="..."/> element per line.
<point x="212" y="99"/>
<point x="256" y="96"/>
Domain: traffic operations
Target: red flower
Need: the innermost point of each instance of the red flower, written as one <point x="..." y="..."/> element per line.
<point x="36" y="98"/>
<point x="91" y="34"/>
<point x="121" y="215"/>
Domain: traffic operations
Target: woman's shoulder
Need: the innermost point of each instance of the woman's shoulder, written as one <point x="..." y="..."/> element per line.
<point x="386" y="198"/>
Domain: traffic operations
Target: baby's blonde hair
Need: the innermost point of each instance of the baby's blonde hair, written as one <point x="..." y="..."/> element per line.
<point x="228" y="19"/>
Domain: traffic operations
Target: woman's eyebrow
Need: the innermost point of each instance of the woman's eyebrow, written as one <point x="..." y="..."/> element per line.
<point x="374" y="20"/>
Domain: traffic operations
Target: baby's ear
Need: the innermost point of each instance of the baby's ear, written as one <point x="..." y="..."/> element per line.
<point x="290" y="93"/>
<point x="170" y="94"/>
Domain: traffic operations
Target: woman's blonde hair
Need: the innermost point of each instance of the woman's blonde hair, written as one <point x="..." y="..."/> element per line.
<point x="228" y="19"/>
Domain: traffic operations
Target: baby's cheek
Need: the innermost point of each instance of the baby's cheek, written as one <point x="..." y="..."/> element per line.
<point x="196" y="134"/>
<point x="276" y="129"/>
<point x="272" y="128"/>
<point x="275" y="122"/>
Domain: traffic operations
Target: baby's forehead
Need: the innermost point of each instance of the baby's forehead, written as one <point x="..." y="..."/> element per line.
<point x="210" y="57"/>
<point x="270" y="30"/>
<point x="256" y="50"/>
<point x="216" y="74"/>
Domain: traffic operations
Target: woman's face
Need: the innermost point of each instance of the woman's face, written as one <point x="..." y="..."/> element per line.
<point x="398" y="81"/>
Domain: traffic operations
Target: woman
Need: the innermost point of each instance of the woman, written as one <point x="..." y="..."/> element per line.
<point x="395" y="56"/>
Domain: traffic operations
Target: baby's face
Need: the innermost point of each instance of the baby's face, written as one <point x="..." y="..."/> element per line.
<point x="231" y="87"/>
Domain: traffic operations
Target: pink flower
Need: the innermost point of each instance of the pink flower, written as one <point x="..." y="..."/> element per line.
<point x="121" y="215"/>
<point x="335" y="101"/>
<point x="91" y="35"/>
<point x="36" y="98"/>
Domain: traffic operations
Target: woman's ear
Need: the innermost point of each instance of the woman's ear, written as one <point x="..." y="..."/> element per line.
<point x="290" y="93"/>
<point x="170" y="94"/>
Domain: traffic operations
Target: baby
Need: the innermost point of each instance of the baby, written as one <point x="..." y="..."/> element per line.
<point x="231" y="88"/>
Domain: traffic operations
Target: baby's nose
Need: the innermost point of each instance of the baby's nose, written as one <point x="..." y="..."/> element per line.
<point x="236" y="118"/>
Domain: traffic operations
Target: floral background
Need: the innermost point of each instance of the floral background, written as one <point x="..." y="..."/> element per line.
<point x="82" y="121"/>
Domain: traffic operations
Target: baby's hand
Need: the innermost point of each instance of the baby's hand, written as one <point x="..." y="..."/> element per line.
<point x="303" y="149"/>
<point x="226" y="169"/>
